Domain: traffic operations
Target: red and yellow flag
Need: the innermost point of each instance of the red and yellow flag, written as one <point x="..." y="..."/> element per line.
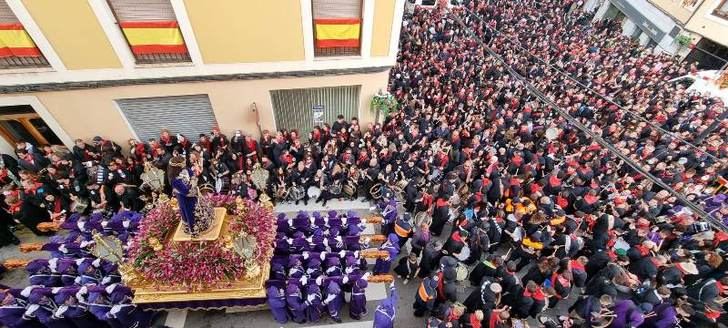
<point x="337" y="32"/>
<point x="154" y="37"/>
<point x="15" y="42"/>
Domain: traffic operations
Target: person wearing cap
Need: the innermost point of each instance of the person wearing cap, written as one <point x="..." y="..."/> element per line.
<point x="334" y="300"/>
<point x="277" y="303"/>
<point x="386" y="311"/>
<point x="627" y="315"/>
<point x="42" y="307"/>
<point x="425" y="296"/>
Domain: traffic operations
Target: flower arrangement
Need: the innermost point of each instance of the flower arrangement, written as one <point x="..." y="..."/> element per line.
<point x="201" y="265"/>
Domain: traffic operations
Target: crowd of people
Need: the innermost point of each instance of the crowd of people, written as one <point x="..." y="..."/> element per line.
<point x="469" y="146"/>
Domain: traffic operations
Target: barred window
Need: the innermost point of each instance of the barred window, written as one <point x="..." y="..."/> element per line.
<point x="17" y="48"/>
<point x="337" y="27"/>
<point x="151" y="30"/>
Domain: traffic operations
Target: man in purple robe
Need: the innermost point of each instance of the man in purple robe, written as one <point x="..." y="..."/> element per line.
<point x="386" y="310"/>
<point x="128" y="315"/>
<point x="313" y="300"/>
<point x="665" y="316"/>
<point x="277" y="304"/>
<point x="42" y="307"/>
<point x="334" y="300"/>
<point x="296" y="303"/>
<point x="12" y="308"/>
<point x="358" y="303"/>
<point x="382" y="265"/>
<point x="69" y="308"/>
<point x="628" y="315"/>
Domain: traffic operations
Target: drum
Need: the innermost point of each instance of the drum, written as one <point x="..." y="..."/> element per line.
<point x="376" y="191"/>
<point x="402" y="184"/>
<point x="314" y="192"/>
<point x="296" y="193"/>
<point x="281" y="193"/>
<point x="335" y="188"/>
<point x="349" y="189"/>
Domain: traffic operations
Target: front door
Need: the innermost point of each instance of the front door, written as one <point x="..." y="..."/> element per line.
<point x="22" y="123"/>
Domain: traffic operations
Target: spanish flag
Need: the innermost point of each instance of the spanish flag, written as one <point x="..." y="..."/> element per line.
<point x="15" y="42"/>
<point x="337" y="32"/>
<point x="154" y="37"/>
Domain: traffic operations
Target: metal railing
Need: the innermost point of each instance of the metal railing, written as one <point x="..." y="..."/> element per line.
<point x="163" y="58"/>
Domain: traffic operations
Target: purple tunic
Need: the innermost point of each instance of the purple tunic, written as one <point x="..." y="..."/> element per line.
<point x="628" y="315"/>
<point x="277" y="304"/>
<point x="358" y="304"/>
<point x="386" y="311"/>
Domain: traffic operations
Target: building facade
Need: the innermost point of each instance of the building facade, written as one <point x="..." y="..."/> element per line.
<point x="693" y="29"/>
<point x="126" y="69"/>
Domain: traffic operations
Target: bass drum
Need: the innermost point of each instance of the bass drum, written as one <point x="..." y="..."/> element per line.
<point x="314" y="192"/>
<point x="296" y="193"/>
<point x="349" y="189"/>
<point x="335" y="188"/>
<point x="461" y="272"/>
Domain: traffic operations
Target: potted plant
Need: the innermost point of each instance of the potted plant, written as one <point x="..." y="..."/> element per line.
<point x="383" y="102"/>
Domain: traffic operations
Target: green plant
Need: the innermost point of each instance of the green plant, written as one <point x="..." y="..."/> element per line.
<point x="683" y="40"/>
<point x="384" y="103"/>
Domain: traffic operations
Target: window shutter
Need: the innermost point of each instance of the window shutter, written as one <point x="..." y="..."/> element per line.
<point x="187" y="115"/>
<point x="336" y="9"/>
<point x="143" y="10"/>
<point x="294" y="107"/>
<point x="6" y="15"/>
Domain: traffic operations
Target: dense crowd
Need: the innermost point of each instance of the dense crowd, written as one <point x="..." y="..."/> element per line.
<point x="470" y="146"/>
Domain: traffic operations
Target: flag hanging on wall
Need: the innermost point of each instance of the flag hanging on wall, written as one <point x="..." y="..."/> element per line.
<point x="15" y="42"/>
<point x="337" y="32"/>
<point x="154" y="37"/>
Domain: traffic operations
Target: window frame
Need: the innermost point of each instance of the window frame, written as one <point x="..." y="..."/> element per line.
<point x="316" y="51"/>
<point x="141" y="61"/>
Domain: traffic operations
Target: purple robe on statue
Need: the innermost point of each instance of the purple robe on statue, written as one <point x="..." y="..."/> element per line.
<point x="358" y="303"/>
<point x="186" y="203"/>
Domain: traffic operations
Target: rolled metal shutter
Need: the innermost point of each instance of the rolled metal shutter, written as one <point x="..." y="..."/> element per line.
<point x="294" y="107"/>
<point x="143" y="10"/>
<point x="188" y="115"/>
<point x="336" y="8"/>
<point x="6" y="14"/>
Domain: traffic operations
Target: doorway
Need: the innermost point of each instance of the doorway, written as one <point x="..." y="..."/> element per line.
<point x="22" y="123"/>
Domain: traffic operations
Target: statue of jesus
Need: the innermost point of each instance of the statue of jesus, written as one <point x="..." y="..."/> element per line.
<point x="184" y="188"/>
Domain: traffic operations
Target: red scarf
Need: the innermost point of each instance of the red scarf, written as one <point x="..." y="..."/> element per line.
<point x="536" y="295"/>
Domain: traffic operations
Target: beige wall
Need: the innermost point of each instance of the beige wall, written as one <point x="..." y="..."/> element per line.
<point x="87" y="113"/>
<point x="234" y="31"/>
<point x="707" y="25"/>
<point x="382" y="29"/>
<point x="74" y="32"/>
<point x="674" y="9"/>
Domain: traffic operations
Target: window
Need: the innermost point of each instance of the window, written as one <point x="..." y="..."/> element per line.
<point x="17" y="49"/>
<point x="151" y="30"/>
<point x="722" y="10"/>
<point x="337" y="27"/>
